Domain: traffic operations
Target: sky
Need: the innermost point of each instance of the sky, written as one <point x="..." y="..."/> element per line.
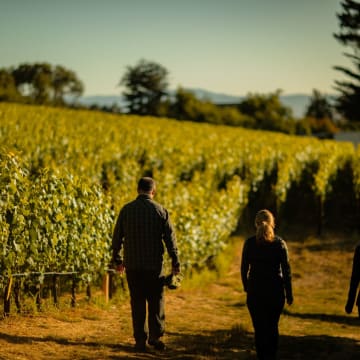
<point x="233" y="47"/>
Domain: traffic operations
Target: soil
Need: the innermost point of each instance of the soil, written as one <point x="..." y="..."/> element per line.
<point x="202" y="322"/>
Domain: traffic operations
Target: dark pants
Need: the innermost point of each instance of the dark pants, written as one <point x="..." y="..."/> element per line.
<point x="265" y="314"/>
<point x="146" y="288"/>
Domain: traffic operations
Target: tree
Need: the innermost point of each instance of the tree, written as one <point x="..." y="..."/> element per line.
<point x="8" y="90"/>
<point x="319" y="116"/>
<point x="146" y="85"/>
<point x="349" y="35"/>
<point x="42" y="83"/>
<point x="186" y="106"/>
<point x="268" y="112"/>
<point x="34" y="81"/>
<point x="319" y="107"/>
<point x="65" y="83"/>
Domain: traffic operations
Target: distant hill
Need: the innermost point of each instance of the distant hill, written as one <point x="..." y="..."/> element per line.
<point x="297" y="102"/>
<point x="102" y="100"/>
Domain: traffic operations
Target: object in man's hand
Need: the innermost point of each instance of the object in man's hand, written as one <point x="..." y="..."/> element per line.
<point x="173" y="281"/>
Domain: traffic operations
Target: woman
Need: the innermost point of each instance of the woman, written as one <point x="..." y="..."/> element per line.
<point x="266" y="277"/>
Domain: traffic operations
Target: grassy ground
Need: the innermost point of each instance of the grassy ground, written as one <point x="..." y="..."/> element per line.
<point x="207" y="318"/>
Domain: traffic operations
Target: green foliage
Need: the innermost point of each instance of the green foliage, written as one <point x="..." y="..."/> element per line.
<point x="65" y="83"/>
<point x="146" y="85"/>
<point x="65" y="175"/>
<point x="349" y="35"/>
<point x="318" y="118"/>
<point x="8" y="90"/>
<point x="319" y="107"/>
<point x="39" y="83"/>
<point x="186" y="106"/>
<point x="324" y="126"/>
<point x="51" y="222"/>
<point x="268" y="112"/>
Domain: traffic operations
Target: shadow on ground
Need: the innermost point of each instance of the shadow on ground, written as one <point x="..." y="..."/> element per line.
<point x="235" y="343"/>
<point x="339" y="319"/>
<point x="318" y="347"/>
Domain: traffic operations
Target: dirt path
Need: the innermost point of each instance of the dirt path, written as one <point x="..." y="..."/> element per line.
<point x="211" y="322"/>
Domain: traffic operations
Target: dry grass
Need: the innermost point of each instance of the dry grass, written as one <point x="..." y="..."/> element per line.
<point x="205" y="322"/>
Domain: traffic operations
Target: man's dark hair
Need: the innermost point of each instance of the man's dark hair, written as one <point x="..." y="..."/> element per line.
<point x="146" y="184"/>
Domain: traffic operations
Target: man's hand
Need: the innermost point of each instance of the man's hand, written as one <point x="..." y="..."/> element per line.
<point x="120" y="269"/>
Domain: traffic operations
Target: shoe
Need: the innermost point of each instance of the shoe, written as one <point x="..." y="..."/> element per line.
<point x="140" y="346"/>
<point x="157" y="344"/>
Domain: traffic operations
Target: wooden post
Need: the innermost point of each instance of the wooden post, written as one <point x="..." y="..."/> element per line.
<point x="17" y="294"/>
<point x="105" y="286"/>
<point x="73" y="290"/>
<point x="320" y="216"/>
<point x="88" y="291"/>
<point x="55" y="289"/>
<point x="7" y="296"/>
<point x="38" y="296"/>
<point x="111" y="283"/>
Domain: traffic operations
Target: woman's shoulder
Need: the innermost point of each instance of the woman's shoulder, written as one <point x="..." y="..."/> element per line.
<point x="251" y="239"/>
<point x="280" y="242"/>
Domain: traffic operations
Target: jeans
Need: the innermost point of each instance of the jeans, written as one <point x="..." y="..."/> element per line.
<point x="146" y="288"/>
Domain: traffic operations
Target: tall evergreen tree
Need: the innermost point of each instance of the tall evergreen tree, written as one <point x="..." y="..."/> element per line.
<point x="348" y="103"/>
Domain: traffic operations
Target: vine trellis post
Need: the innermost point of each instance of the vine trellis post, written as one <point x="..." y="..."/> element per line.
<point x="14" y="283"/>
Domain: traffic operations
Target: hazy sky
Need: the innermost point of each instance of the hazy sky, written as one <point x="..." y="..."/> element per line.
<point x="227" y="46"/>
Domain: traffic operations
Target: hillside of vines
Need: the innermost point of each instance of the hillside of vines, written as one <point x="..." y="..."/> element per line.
<point x="65" y="174"/>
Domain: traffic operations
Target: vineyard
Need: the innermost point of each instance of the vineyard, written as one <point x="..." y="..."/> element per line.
<point x="65" y="175"/>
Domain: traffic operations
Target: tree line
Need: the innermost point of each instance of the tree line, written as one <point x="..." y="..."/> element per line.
<point x="146" y="92"/>
<point x="40" y="83"/>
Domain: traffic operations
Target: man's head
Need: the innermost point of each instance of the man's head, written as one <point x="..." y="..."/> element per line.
<point x="146" y="185"/>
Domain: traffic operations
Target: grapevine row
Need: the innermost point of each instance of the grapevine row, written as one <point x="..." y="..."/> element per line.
<point x="65" y="174"/>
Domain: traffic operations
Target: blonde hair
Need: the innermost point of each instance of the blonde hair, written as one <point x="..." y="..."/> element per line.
<point x="265" y="224"/>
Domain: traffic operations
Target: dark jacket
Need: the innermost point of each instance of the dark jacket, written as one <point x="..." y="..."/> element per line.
<point x="354" y="281"/>
<point x="265" y="268"/>
<point x="141" y="228"/>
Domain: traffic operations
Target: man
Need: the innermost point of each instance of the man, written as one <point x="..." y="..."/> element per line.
<point x="354" y="283"/>
<point x="142" y="228"/>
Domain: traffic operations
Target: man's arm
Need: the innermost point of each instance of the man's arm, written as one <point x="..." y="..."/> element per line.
<point x="170" y="243"/>
<point x="117" y="243"/>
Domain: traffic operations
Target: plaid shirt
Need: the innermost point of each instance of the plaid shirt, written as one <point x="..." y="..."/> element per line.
<point x="142" y="228"/>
